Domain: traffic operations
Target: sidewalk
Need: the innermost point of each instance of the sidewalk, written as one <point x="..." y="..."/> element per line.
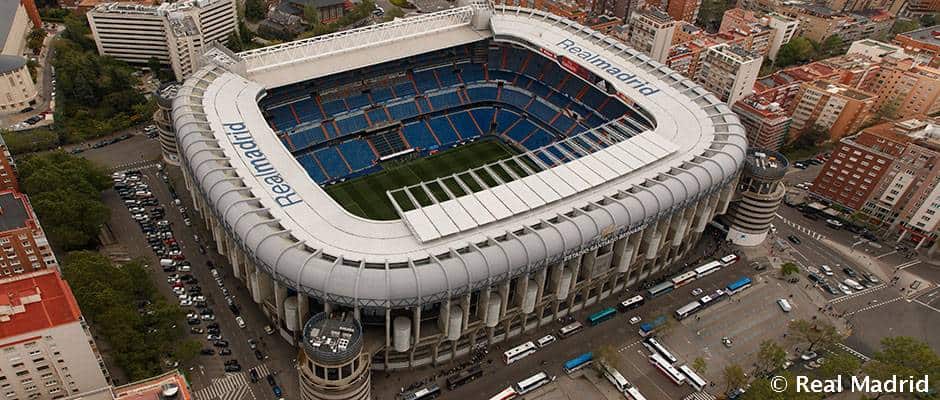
<point x="888" y="272"/>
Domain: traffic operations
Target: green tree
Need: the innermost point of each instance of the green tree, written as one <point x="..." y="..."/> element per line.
<point x="77" y="31"/>
<point x="840" y="363"/>
<point x="904" y="25"/>
<point x="789" y="268"/>
<point x="255" y="10"/>
<point x="35" y="39"/>
<point x="797" y="50"/>
<point x="699" y="365"/>
<point x="187" y="351"/>
<point x="830" y="47"/>
<point x="817" y="334"/>
<point x="734" y="377"/>
<point x="394" y="12"/>
<point x="30" y="141"/>
<point x="770" y="357"/>
<point x="928" y="20"/>
<point x="312" y="15"/>
<point x="605" y="354"/>
<point x="904" y="356"/>
<point x="710" y="14"/>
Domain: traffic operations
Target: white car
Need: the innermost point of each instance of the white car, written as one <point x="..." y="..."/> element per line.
<point x="635" y="320"/>
<point x="853" y="284"/>
<point x="545" y="341"/>
<point x="808" y="356"/>
<point x="185" y="268"/>
<point x="241" y="322"/>
<point x="826" y="270"/>
<point x="845" y="289"/>
<point x="186" y="303"/>
<point x="697" y="291"/>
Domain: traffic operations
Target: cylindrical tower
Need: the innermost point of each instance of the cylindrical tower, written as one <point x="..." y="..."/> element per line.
<point x="163" y="119"/>
<point x="759" y="193"/>
<point x="333" y="365"/>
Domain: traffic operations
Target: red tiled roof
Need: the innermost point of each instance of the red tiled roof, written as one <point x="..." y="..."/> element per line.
<point x="35" y="302"/>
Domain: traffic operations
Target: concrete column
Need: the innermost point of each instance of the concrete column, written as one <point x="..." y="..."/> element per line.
<point x="327" y="307"/>
<point x="303" y="312"/>
<point x="280" y="293"/>
<point x="465" y="304"/>
<point x="504" y="296"/>
<point x="540" y="277"/>
<point x="521" y="288"/>
<point x="417" y="326"/>
<point x="388" y="334"/>
<point x="443" y="318"/>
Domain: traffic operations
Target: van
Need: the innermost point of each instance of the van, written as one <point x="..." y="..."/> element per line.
<point x="545" y="340"/>
<point x="784" y="305"/>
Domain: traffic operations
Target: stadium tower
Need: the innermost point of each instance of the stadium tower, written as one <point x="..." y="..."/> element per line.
<point x="760" y="191"/>
<point x="333" y="363"/>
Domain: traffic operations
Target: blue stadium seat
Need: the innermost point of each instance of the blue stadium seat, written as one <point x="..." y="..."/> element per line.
<point x="505" y="119"/>
<point x="357" y="153"/>
<point x="442" y="129"/>
<point x="484" y="117"/>
<point x="534" y="67"/>
<point x="307" y="137"/>
<point x="593" y="98"/>
<point x="404" y="89"/>
<point x="520" y="131"/>
<point x="515" y="97"/>
<point x="559" y="100"/>
<point x="444" y="101"/>
<point x="540" y="90"/>
<point x="425" y="81"/>
<point x="307" y="161"/>
<point x="494" y="57"/>
<point x="332" y="163"/>
<point x="357" y="101"/>
<point x="334" y="107"/>
<point x="471" y="73"/>
<point x="552" y="77"/>
<point x="502" y="75"/>
<point x="541" y="111"/>
<point x="515" y="59"/>
<point x="307" y="110"/>
<point x="447" y="76"/>
<point x="404" y="110"/>
<point x="377" y="115"/>
<point x="594" y="121"/>
<point x="558" y="154"/>
<point x="282" y="118"/>
<point x="465" y="125"/>
<point x="418" y="135"/>
<point x="572" y="87"/>
<point x="537" y="139"/>
<point x="351" y="124"/>
<point x="523" y="82"/>
<point x="330" y="129"/>
<point x="381" y="95"/>
<point x="613" y="110"/>
<point x="563" y="123"/>
<point x="482" y="93"/>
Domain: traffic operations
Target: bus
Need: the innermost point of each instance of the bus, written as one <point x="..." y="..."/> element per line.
<point x="519" y="352"/>
<point x="631" y="303"/>
<point x="634" y="393"/>
<point x="570" y="329"/>
<point x="601" y="316"/>
<point x="667" y="369"/>
<point x="506" y="394"/>
<point x="688" y="310"/>
<point x="578" y="362"/>
<point x="531" y="383"/>
<point x="695" y="381"/>
<point x="707" y="269"/>
<point x="738" y="285"/>
<point x="661" y="350"/>
<point x="465" y="376"/>
<point x="728" y="260"/>
<point x="615" y="378"/>
<point x="428" y="392"/>
<point x="648" y="328"/>
<point x="660" y="289"/>
<point x="683" y="279"/>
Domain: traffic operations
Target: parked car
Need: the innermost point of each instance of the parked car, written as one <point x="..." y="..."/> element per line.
<point x="850" y="272"/>
<point x="808" y="356"/>
<point x="827" y="270"/>
<point x="793" y="239"/>
<point x="207" y="352"/>
<point x="240" y="321"/>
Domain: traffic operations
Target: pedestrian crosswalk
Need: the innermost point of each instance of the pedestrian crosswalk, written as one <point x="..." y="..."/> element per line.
<point x="857" y="294"/>
<point x="854" y="352"/>
<point x="875" y="305"/>
<point x="699" y="396"/>
<point x="809" y="232"/>
<point x="232" y="386"/>
<point x="137" y="165"/>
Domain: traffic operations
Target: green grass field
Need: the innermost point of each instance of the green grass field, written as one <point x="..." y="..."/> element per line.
<point x="365" y="196"/>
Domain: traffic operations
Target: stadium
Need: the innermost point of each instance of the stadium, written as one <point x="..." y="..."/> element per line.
<point x="451" y="179"/>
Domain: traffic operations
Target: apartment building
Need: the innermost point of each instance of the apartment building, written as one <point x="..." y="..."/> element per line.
<point x="874" y="49"/>
<point x="8" y="179"/>
<point x="924" y="42"/>
<point x="683" y="10"/>
<point x="24" y="244"/>
<point x="173" y="33"/>
<point x="46" y="351"/>
<point x="783" y="30"/>
<point x="686" y="58"/>
<point x="903" y="88"/>
<point x="728" y="71"/>
<point x="839" y="109"/>
<point x="651" y="32"/>
<point x="766" y="123"/>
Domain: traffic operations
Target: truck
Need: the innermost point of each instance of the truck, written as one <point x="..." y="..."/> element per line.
<point x="648" y="328"/>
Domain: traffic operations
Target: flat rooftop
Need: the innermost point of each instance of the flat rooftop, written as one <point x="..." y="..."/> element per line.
<point x="34" y="302"/>
<point x="14" y="212"/>
<point x="151" y="389"/>
<point x="930" y="35"/>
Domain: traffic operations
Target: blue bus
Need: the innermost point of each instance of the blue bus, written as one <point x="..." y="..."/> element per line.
<point x="661" y="289"/>
<point x="738" y="285"/>
<point x="601" y="316"/>
<point x="578" y="362"/>
<point x="647" y="328"/>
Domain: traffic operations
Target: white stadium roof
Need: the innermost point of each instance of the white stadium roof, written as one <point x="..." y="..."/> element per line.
<point x="293" y="229"/>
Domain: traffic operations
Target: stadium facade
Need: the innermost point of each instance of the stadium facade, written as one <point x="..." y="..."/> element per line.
<point x="621" y="164"/>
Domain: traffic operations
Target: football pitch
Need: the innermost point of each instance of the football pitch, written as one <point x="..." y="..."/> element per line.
<point x="366" y="196"/>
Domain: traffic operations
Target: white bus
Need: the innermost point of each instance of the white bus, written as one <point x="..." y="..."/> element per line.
<point x="506" y="394"/>
<point x="531" y="383"/>
<point x="428" y="392"/>
<point x="667" y="369"/>
<point x="633" y="393"/>
<point x="688" y="309"/>
<point x="707" y="269"/>
<point x="695" y="381"/>
<point x="615" y="378"/>
<point x="519" y="352"/>
<point x="631" y="303"/>
<point x="683" y="279"/>
<point x="661" y="350"/>
<point x="570" y="329"/>
<point x="728" y="260"/>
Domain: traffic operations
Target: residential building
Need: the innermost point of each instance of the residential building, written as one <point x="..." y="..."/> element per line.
<point x="651" y="32"/>
<point x="839" y="109"/>
<point x="874" y="49"/>
<point x="47" y="350"/>
<point x="754" y="39"/>
<point x="728" y="71"/>
<point x="17" y="90"/>
<point x="737" y="18"/>
<point x="173" y="33"/>
<point x="925" y="41"/>
<point x="686" y="58"/>
<point x="686" y="32"/>
<point x="783" y="30"/>
<point x="782" y="86"/>
<point x="817" y="22"/>
<point x="15" y="24"/>
<point x="683" y="10"/>
<point x="916" y="8"/>
<point x="903" y="88"/>
<point x="169" y="386"/>
<point x="622" y="9"/>
<point x="767" y="124"/>
<point x="328" y="10"/>
<point x="24" y="244"/>
<point x="8" y="179"/>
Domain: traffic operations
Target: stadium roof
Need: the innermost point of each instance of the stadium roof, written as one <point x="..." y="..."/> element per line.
<point x="293" y="229"/>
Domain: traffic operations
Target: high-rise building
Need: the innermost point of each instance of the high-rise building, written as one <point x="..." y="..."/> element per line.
<point x="767" y="124"/>
<point x="729" y="72"/>
<point x="333" y="364"/>
<point x="8" y="179"/>
<point x="783" y="30"/>
<point x="163" y="120"/>
<point x="651" y="32"/>
<point x="15" y="24"/>
<point x="903" y="88"/>
<point x="48" y="352"/>
<point x="683" y="10"/>
<point x="173" y="33"/>
<point x="760" y="192"/>
<point x="922" y="41"/>
<point x="839" y="109"/>
<point x="24" y="244"/>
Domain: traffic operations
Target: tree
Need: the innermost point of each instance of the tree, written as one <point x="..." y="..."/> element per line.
<point x="888" y="111"/>
<point x="789" y="268"/>
<point x="187" y="350"/>
<point x="770" y="357"/>
<point x="35" y="39"/>
<point x="734" y="377"/>
<point x="30" y="141"/>
<point x="904" y="25"/>
<point x="312" y="15"/>
<point x="928" y="20"/>
<point x="699" y="365"/>
<point x="605" y="354"/>
<point x="255" y="10"/>
<point x="817" y="334"/>
<point x="710" y="14"/>
<point x="831" y="46"/>
<point x="77" y="31"/>
<point x="840" y="363"/>
<point x="797" y="50"/>
<point x="394" y="12"/>
<point x="904" y="356"/>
